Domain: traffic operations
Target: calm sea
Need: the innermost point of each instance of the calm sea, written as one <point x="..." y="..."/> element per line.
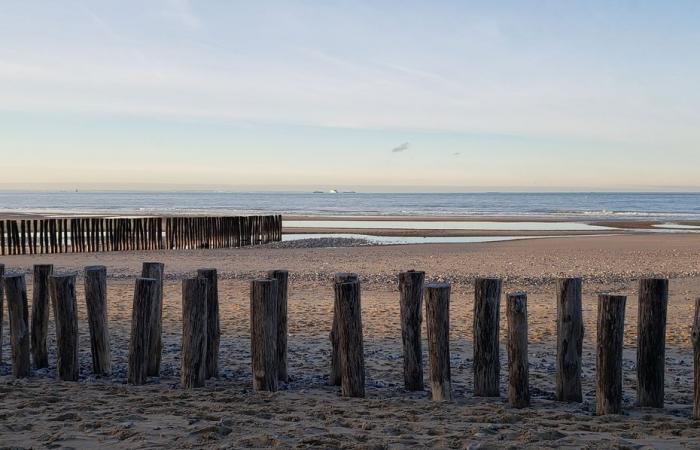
<point x="660" y="206"/>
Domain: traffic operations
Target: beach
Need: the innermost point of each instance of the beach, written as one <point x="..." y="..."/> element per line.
<point x="43" y="412"/>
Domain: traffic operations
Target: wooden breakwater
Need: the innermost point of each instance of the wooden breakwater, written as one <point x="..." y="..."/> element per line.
<point x="107" y="234"/>
<point x="201" y="334"/>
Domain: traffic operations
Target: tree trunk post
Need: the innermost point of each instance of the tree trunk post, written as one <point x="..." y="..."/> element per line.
<point x="18" y="314"/>
<point x="2" y="290"/>
<point x="611" y="327"/>
<point x="263" y="334"/>
<point x="96" y="302"/>
<point x="145" y="294"/>
<point x="213" y="324"/>
<point x="569" y="340"/>
<point x="518" y="373"/>
<point x="487" y="300"/>
<point x="63" y="293"/>
<point x="651" y="341"/>
<point x="40" y="315"/>
<point x="411" y="302"/>
<point x="282" y="277"/>
<point x="194" y="333"/>
<point x="350" y="342"/>
<point x="695" y="338"/>
<point x="155" y="271"/>
<point x="335" y="378"/>
<point x="437" y="317"/>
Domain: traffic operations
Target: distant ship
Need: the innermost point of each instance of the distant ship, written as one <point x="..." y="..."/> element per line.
<point x="333" y="191"/>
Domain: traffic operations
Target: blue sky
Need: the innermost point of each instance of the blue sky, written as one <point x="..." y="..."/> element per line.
<point x="524" y="95"/>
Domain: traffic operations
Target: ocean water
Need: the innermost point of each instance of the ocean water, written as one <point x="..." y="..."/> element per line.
<point x="577" y="206"/>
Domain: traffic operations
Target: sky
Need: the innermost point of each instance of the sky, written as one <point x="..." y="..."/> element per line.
<point x="377" y="95"/>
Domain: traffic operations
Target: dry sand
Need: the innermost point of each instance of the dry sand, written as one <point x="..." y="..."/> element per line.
<point x="42" y="412"/>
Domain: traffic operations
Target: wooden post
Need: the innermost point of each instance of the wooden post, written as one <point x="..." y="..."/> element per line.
<point x="40" y="315"/>
<point x="695" y="338"/>
<point x="194" y="333"/>
<point x="350" y="342"/>
<point x="63" y="293"/>
<point x="335" y="378"/>
<point x="437" y="317"/>
<point x="2" y="301"/>
<point x="18" y="313"/>
<point x="282" y="277"/>
<point x="487" y="300"/>
<point x="611" y="327"/>
<point x="411" y="301"/>
<point x="155" y="270"/>
<point x="213" y="325"/>
<point x="569" y="340"/>
<point x="518" y="373"/>
<point x="263" y="334"/>
<point x="145" y="294"/>
<point x="96" y="301"/>
<point x="651" y="341"/>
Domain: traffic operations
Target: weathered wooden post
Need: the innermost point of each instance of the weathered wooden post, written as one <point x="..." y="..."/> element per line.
<point x="411" y="302"/>
<point x="651" y="341"/>
<point x="213" y="324"/>
<point x="611" y="327"/>
<point x="335" y="378"/>
<point x="350" y="342"/>
<point x="569" y="340"/>
<point x="40" y="315"/>
<point x="263" y="334"/>
<point x="96" y="302"/>
<point x="63" y="293"/>
<point x="695" y="337"/>
<point x="282" y="277"/>
<point x="2" y="295"/>
<point x="487" y="300"/>
<point x="437" y="317"/>
<point x="518" y="373"/>
<point x="194" y="333"/>
<point x="155" y="271"/>
<point x="145" y="294"/>
<point x="18" y="314"/>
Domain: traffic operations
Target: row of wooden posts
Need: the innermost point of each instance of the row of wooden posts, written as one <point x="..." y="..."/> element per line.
<point x="268" y="331"/>
<point x="99" y="234"/>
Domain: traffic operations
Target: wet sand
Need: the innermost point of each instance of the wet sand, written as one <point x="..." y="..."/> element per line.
<point x="94" y="413"/>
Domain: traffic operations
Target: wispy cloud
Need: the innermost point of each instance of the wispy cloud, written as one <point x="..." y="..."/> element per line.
<point x="401" y="148"/>
<point x="181" y="11"/>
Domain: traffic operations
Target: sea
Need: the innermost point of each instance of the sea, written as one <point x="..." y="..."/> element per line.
<point x="577" y="206"/>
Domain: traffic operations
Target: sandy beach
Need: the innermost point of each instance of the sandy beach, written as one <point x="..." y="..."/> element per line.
<point x="92" y="413"/>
